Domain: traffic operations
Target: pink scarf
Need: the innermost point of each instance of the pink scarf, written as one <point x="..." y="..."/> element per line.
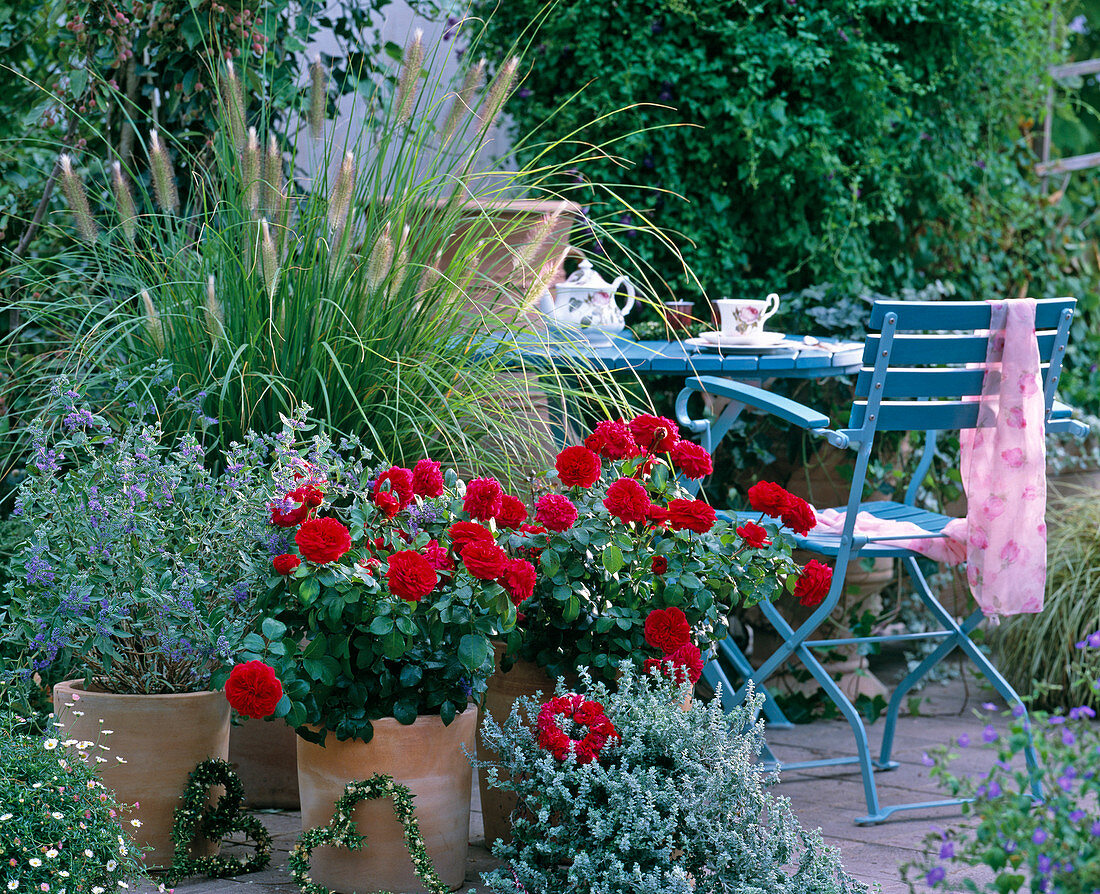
<point x="1003" y="537"/>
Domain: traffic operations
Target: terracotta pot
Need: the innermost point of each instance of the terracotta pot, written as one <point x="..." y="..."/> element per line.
<point x="162" y="739"/>
<point x="524" y="679"/>
<point x="266" y="758"/>
<point x="427" y="757"/>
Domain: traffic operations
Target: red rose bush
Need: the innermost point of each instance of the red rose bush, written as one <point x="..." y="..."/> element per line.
<point x="385" y="592"/>
<point x="622" y="550"/>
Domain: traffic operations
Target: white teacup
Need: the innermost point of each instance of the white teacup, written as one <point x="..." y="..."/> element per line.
<point x="745" y="317"/>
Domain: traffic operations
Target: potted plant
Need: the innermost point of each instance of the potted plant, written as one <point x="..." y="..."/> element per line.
<point x="626" y="791"/>
<point x="378" y="624"/>
<point x="134" y="579"/>
<point x="616" y="537"/>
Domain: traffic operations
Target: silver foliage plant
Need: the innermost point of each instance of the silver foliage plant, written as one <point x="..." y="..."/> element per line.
<point x="680" y="806"/>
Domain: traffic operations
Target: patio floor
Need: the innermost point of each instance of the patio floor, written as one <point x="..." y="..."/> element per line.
<point x="829" y="798"/>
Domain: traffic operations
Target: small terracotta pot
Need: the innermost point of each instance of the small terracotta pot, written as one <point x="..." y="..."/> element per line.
<point x="524" y="679"/>
<point x="162" y="738"/>
<point x="678" y="315"/>
<point x="428" y="758"/>
<point x="265" y="756"/>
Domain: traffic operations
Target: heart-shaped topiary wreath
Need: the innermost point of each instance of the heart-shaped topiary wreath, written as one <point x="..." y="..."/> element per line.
<point x="194" y="818"/>
<point x="341" y="831"/>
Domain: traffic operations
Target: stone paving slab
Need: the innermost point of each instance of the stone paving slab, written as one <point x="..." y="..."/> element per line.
<point x="829" y="798"/>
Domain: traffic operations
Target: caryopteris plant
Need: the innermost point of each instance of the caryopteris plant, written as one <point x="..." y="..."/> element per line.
<point x="362" y="272"/>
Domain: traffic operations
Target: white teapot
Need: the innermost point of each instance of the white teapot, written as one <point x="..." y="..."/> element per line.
<point x="586" y="300"/>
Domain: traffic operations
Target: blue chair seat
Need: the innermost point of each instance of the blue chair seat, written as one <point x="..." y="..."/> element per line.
<point x="829" y="544"/>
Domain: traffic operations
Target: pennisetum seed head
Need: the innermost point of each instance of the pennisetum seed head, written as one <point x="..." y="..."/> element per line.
<point x="251" y="170"/>
<point x="232" y="97"/>
<point x="401" y="259"/>
<point x="381" y="259"/>
<point x="214" y="313"/>
<point x="430" y="275"/>
<point x="499" y="91"/>
<point x="153" y="323"/>
<point x="273" y="176"/>
<point x="409" y="79"/>
<point x="538" y="237"/>
<point x="124" y="201"/>
<point x="73" y="187"/>
<point x="164" y="176"/>
<point x="270" y="258"/>
<point x="463" y="103"/>
<point x="318" y="97"/>
<point x="339" y="203"/>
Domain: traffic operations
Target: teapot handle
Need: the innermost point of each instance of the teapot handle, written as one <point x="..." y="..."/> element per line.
<point x="623" y="281"/>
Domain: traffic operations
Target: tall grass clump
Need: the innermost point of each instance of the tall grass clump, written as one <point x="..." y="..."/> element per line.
<point x="343" y="268"/>
<point x="1042" y="647"/>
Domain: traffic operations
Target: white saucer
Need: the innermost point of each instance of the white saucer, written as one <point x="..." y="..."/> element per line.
<point x="743" y="347"/>
<point x="763" y="339"/>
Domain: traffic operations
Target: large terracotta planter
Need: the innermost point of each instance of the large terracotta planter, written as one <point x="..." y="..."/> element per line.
<point x="427" y="757"/>
<point x="161" y="737"/>
<point x="265" y="757"/>
<point x="524" y="679"/>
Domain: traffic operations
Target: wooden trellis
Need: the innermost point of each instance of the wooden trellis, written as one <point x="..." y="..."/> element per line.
<point x="1046" y="167"/>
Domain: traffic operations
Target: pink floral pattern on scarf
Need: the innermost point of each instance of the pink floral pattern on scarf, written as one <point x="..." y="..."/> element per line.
<point x="1003" y="465"/>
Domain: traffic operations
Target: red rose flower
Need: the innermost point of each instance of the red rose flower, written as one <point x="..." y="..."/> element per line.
<point x="690" y="659"/>
<point x="410" y="575"/>
<point x="464" y="533"/>
<point x="692" y="515"/>
<point x="253" y="690"/>
<point x="322" y="540"/>
<point x="427" y="479"/>
<point x="754" y="535"/>
<point x="555" y="512"/>
<point x="627" y="500"/>
<point x="612" y="440"/>
<point x="577" y="467"/>
<point x="286" y="563"/>
<point x="659" y="565"/>
<point x="692" y="460"/>
<point x="289" y="518"/>
<point x="512" y="512"/>
<point x="307" y="495"/>
<point x="813" y="584"/>
<point x="484" y="560"/>
<point x="656" y="515"/>
<point x="388" y="502"/>
<point x="400" y="484"/>
<point x="484" y="499"/>
<point x="519" y="580"/>
<point x="667" y="629"/>
<point x="583" y="713"/>
<point x="438" y="557"/>
<point x="654" y="434"/>
<point x="798" y="515"/>
<point x="769" y="498"/>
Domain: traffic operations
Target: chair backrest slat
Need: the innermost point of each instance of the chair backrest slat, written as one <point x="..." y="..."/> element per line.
<point x="914" y="350"/>
<point x="917" y="316"/>
<point x="933" y="383"/>
<point x="919" y="415"/>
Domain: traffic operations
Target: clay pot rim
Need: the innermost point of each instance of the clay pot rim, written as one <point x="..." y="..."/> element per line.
<point x="78" y="687"/>
<point x="425" y="719"/>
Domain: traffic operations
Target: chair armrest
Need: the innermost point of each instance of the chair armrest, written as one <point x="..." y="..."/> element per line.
<point x="789" y="410"/>
<point x="1061" y="421"/>
<point x="783" y="407"/>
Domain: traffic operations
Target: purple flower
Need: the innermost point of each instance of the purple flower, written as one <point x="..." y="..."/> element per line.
<point x="78" y="419"/>
<point x="1079" y="25"/>
<point x="1017" y="710"/>
<point x="1043" y="863"/>
<point x="1083" y="711"/>
<point x="1068" y="738"/>
<point x="1075" y="816"/>
<point x="994" y="790"/>
<point x="964" y="741"/>
<point x="989" y="734"/>
<point x="988" y="706"/>
<point x="1065" y="782"/>
<point x="1039" y="836"/>
<point x="1095" y="830"/>
<point x="1057" y="719"/>
<point x="926" y="760"/>
<point x="935" y="875"/>
<point x="452" y="27"/>
<point x="947" y="850"/>
<point x="524" y="92"/>
<point x="1092" y="641"/>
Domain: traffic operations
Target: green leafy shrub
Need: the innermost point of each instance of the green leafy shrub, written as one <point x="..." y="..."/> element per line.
<point x="675" y="804"/>
<point x="60" y="829"/>
<point x="869" y="143"/>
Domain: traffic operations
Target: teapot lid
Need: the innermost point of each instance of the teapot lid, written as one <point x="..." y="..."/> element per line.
<point x="585" y="276"/>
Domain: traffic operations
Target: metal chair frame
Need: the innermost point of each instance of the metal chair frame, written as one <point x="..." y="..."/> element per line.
<point x="901" y="361"/>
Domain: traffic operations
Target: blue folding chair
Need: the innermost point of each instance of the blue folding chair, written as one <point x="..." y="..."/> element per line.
<point x="916" y="375"/>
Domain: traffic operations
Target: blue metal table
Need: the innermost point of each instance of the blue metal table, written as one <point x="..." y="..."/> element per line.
<point x="792" y="359"/>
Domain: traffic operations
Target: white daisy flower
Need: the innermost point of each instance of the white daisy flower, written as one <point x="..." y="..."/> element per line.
<point x="13" y="885"/>
<point x="5" y="817"/>
<point x="57" y="815"/>
<point x="88" y="853"/>
<point x="111" y="865"/>
<point x="51" y="853"/>
<point x="50" y="744"/>
<point x="98" y="890"/>
<point x="135" y="823"/>
<point x="35" y="862"/>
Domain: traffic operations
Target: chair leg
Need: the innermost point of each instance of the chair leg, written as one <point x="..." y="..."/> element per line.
<point x="772" y="712"/>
